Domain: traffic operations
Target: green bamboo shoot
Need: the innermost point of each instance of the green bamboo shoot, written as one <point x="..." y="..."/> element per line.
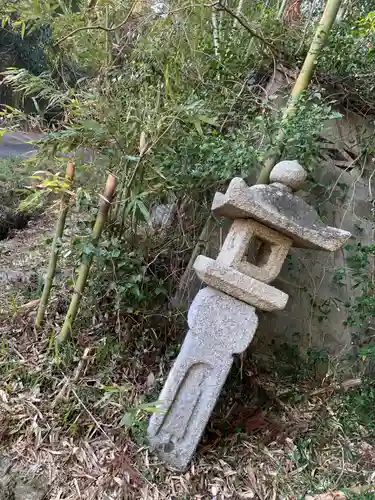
<point x="64" y="207"/>
<point x="105" y="203"/>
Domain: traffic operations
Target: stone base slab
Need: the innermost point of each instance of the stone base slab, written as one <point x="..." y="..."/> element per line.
<point x="239" y="285"/>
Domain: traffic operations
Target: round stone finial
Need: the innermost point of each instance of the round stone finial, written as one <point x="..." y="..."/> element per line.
<point x="288" y="172"/>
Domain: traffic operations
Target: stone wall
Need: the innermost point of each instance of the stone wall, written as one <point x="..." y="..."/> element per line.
<point x="315" y="314"/>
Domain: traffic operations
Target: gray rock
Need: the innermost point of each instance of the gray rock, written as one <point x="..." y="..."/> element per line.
<point x="5" y="466"/>
<point x="10" y="276"/>
<point x="162" y="216"/>
<point x="220" y="326"/>
<point x="280" y="210"/>
<point x="282" y="186"/>
<point x="14" y="487"/>
<point x="7" y="485"/>
<point x="29" y="491"/>
<point x="289" y="173"/>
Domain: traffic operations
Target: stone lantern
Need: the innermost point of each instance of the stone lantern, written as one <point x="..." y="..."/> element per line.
<point x="267" y="221"/>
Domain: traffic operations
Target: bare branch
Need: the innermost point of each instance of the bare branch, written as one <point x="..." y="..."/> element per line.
<point x="98" y="27"/>
<point x="238" y="17"/>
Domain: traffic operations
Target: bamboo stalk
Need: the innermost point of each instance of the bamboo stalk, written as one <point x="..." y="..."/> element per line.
<point x="238" y="12"/>
<point x="105" y="203"/>
<point x="282" y="9"/>
<point x="64" y="207"/>
<point x="143" y="148"/>
<point x="215" y="32"/>
<point x="302" y="82"/>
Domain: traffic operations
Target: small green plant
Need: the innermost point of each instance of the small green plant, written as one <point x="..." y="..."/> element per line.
<point x="138" y="412"/>
<point x="362" y="306"/>
<point x="357" y="409"/>
<point x="303" y="129"/>
<point x="136" y="419"/>
<point x="323" y="307"/>
<point x="297" y="364"/>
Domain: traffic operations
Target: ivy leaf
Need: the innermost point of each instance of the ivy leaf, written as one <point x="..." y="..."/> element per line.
<point x="198" y="127"/>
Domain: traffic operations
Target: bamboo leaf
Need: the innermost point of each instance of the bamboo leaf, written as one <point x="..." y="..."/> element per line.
<point x="127" y="419"/>
<point x="142" y="207"/>
<point x="208" y="120"/>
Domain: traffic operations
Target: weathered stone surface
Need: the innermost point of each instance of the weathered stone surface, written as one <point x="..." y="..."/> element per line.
<point x="288" y="172"/>
<point x="280" y="210"/>
<point x="342" y="195"/>
<point x="7" y="482"/>
<point x="29" y="491"/>
<point x="239" y="285"/>
<point x="5" y="466"/>
<point x="233" y="204"/>
<point x="236" y="246"/>
<point x="309" y="277"/>
<point x="14" y="487"/>
<point x="282" y="186"/>
<point x="220" y="326"/>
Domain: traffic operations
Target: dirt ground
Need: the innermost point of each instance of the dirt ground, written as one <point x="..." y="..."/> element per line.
<point x="62" y="432"/>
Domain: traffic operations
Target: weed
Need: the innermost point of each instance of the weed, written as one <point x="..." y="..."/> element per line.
<point x="357" y="410"/>
<point x="136" y="420"/>
<point x="361" y="307"/>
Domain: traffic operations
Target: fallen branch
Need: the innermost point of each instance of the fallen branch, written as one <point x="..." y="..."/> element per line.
<point x="63" y="393"/>
<point x="343" y="387"/>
